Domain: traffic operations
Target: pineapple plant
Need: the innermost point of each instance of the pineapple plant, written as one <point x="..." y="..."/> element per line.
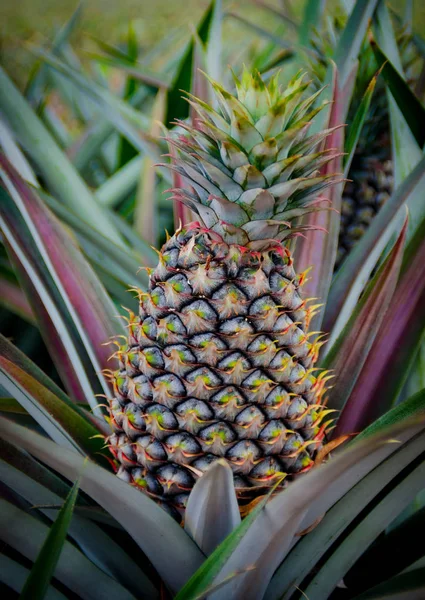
<point x="69" y="526"/>
<point x="370" y="177"/>
<point x="371" y="172"/>
<point x="219" y="361"/>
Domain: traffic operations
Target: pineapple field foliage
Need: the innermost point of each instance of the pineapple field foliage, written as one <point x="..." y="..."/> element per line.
<point x="84" y="205"/>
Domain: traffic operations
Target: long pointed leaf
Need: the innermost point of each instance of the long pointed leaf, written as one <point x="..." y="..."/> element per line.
<point x="354" y="273"/>
<point x="130" y="122"/>
<point x="27" y="534"/>
<point x="267" y="540"/>
<point x="320" y="248"/>
<point x="313" y="11"/>
<point x="171" y="551"/>
<point x="393" y="349"/>
<point x="14" y="576"/>
<point x="214" y="42"/>
<point x="89" y="145"/>
<point x="44" y="567"/>
<point x="408" y="103"/>
<point x="145" y="211"/>
<point x="349" y="353"/>
<point x="350" y="42"/>
<point x="310" y="549"/>
<point x="65" y="422"/>
<point x="120" y="184"/>
<point x="37" y="81"/>
<point x="52" y="163"/>
<point x="43" y="246"/>
<point x="355" y="129"/>
<point x="364" y="534"/>
<point x="406" y="151"/>
<point x="212" y="511"/>
<point x="19" y="472"/>
<point x="177" y="107"/>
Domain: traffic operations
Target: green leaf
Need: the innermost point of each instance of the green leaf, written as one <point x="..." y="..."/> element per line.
<point x="26" y="534"/>
<point x="214" y="42"/>
<point x="416" y="377"/>
<point x="135" y="69"/>
<point x="349" y="353"/>
<point x="348" y="283"/>
<point x="406" y="586"/>
<point x="412" y="407"/>
<point x="308" y="553"/>
<point x="132" y="123"/>
<point x="395" y="346"/>
<point x="178" y="107"/>
<point x="44" y="567"/>
<point x="26" y="477"/>
<point x="268" y="536"/>
<point x="350" y="42"/>
<point x="355" y="129"/>
<point x="406" y="152"/>
<point x="120" y="184"/>
<point x="313" y="11"/>
<point x="146" y="210"/>
<point x="125" y="263"/>
<point x="37" y="81"/>
<point x="59" y="173"/>
<point x="320" y="248"/>
<point x="212" y="511"/>
<point x="62" y="420"/>
<point x="15" y="155"/>
<point x="69" y="298"/>
<point x="390" y="553"/>
<point x="202" y="579"/>
<point x="364" y="533"/>
<point x="171" y="551"/>
<point x="14" y="575"/>
<point x="410" y="106"/>
<point x="89" y="145"/>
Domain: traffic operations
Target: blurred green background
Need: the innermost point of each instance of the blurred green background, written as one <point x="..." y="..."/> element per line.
<point x="32" y="21"/>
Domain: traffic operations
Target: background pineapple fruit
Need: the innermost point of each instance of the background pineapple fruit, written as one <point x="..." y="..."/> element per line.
<point x="219" y="361"/>
<point x="371" y="173"/>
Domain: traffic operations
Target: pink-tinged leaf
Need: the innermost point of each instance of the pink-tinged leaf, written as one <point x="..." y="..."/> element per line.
<point x="355" y="271"/>
<point x="348" y="355"/>
<point x="390" y="356"/>
<point x="318" y="249"/>
<point x="14" y="299"/>
<point x="76" y="302"/>
<point x="62" y="420"/>
<point x="200" y="89"/>
<point x="182" y="214"/>
<point x="55" y="345"/>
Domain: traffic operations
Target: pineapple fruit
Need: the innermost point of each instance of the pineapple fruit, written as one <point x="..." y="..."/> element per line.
<point x="370" y="178"/>
<point x="219" y="363"/>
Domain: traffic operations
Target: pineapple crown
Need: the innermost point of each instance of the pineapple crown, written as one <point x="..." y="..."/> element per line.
<point x="251" y="165"/>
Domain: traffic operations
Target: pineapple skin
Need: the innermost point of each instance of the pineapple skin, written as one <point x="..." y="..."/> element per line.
<point x="364" y="195"/>
<point x="219" y="363"/>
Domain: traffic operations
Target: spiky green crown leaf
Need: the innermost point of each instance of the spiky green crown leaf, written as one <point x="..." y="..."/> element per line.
<point x="251" y="164"/>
